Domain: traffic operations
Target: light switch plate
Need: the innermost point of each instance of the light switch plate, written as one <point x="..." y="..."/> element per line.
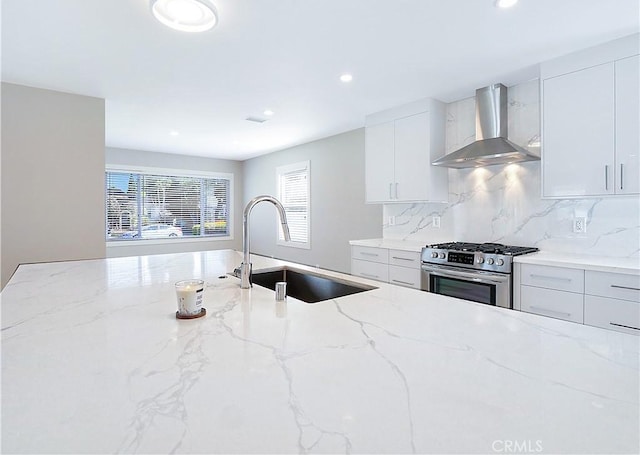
<point x="435" y="222"/>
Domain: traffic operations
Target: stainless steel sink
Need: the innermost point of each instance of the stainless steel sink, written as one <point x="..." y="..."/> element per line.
<point x="307" y="286"/>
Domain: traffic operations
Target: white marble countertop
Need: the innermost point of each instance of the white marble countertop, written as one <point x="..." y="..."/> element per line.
<point x="579" y="261"/>
<point x="94" y="361"/>
<point x="404" y="245"/>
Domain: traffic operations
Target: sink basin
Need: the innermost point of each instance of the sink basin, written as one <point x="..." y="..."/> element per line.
<point x="307" y="286"/>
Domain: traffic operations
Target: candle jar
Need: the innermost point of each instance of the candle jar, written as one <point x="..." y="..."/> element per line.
<point x="189" y="298"/>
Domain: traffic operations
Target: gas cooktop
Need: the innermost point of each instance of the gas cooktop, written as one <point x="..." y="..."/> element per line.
<point x="493" y="248"/>
<point x="494" y="257"/>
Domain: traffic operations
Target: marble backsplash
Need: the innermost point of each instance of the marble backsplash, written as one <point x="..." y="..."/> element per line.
<point x="502" y="203"/>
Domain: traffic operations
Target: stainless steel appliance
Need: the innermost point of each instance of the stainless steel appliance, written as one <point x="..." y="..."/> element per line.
<point x="491" y="145"/>
<point x="480" y="272"/>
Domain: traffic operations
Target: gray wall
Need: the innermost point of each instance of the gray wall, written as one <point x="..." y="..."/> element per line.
<point x="338" y="211"/>
<point x="52" y="177"/>
<point x="115" y="156"/>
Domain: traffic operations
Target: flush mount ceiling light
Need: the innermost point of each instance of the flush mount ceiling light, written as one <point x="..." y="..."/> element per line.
<point x="346" y="78"/>
<point x="185" y="15"/>
<point x="505" y="3"/>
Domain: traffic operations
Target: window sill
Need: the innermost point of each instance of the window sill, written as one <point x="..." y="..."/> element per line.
<point x="302" y="246"/>
<point x="128" y="243"/>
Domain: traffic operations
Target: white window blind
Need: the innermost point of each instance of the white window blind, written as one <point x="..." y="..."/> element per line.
<point x="151" y="206"/>
<point x="293" y="192"/>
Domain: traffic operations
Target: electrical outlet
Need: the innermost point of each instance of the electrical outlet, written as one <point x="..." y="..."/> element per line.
<point x="392" y="221"/>
<point x="435" y="222"/>
<point x="580" y="225"/>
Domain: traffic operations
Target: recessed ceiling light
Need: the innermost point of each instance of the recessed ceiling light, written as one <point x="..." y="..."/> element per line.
<point x="505" y="3"/>
<point x="346" y="78"/>
<point x="268" y="112"/>
<point x="185" y="15"/>
<point x="174" y="133"/>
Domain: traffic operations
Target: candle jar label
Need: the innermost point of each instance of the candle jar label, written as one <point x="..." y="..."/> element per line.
<point x="189" y="295"/>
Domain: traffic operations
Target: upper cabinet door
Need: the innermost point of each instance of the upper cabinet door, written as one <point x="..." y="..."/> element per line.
<point x="627" y="125"/>
<point x="578" y="133"/>
<point x="379" y="162"/>
<point x="412" y="158"/>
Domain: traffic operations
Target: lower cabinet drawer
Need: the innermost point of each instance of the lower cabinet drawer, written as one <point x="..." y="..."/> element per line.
<point x="612" y="285"/>
<point x="404" y="276"/>
<point x="560" y="278"/>
<point x="372" y="270"/>
<point x="404" y="258"/>
<point x="556" y="304"/>
<point x="614" y="314"/>
<point x="368" y="253"/>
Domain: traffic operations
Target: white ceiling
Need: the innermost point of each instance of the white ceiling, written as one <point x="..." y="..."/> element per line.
<point x="287" y="56"/>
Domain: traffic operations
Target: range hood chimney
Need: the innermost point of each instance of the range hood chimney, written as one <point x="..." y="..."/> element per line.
<point x="491" y="145"/>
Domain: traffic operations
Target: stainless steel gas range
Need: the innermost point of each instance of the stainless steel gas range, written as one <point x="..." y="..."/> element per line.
<point x="481" y="272"/>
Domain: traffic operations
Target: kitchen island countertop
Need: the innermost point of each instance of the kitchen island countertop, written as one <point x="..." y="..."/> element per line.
<point x="94" y="361"/>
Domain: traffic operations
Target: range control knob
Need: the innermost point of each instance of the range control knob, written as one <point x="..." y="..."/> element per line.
<point x="434" y="255"/>
<point x="480" y="260"/>
<point x="441" y="255"/>
<point x="499" y="261"/>
<point x="490" y="261"/>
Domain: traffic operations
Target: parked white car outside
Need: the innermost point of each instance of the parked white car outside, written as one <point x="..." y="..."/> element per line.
<point x="155" y="231"/>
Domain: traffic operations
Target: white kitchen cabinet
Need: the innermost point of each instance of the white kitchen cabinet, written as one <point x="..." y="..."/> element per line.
<point x="552" y="303"/>
<point x="616" y="285"/>
<point x="603" y="299"/>
<point x="613" y="314"/>
<point x="590" y="137"/>
<point x="371" y="254"/>
<point x="404" y="268"/>
<point x="556" y="292"/>
<point x="578" y="133"/>
<point x="400" y="145"/>
<point x="612" y="301"/>
<point x="627" y="166"/>
<point x="411" y="157"/>
<point x="391" y="266"/>
<point x="379" y="163"/>
<point x="559" y="278"/>
<point x="404" y="258"/>
<point x="371" y="270"/>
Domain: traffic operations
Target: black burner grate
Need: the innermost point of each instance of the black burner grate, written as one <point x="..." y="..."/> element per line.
<point x="491" y="248"/>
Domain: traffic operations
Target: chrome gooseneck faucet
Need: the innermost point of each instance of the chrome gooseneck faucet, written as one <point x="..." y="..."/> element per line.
<point x="245" y="267"/>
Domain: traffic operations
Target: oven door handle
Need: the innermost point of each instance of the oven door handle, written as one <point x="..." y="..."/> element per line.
<point x="476" y="277"/>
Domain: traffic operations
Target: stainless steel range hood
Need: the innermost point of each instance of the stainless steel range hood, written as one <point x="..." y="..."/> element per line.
<point x="491" y="145"/>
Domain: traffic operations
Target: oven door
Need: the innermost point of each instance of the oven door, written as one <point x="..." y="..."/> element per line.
<point x="479" y="286"/>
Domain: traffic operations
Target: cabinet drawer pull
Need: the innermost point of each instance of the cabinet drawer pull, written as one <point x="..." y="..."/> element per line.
<point x="369" y="275"/>
<point x="545" y="277"/>
<point x="396" y="190"/>
<point x="624" y="287"/>
<point x="401" y="259"/>
<point x="621" y="175"/>
<point x="369" y="254"/>
<point x="606" y="177"/>
<point x="403" y="282"/>
<point x="390" y="194"/>
<point x="625" y="326"/>
<point x="559" y="313"/>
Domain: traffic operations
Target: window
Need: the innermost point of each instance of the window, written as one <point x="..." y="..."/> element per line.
<point x="293" y="192"/>
<point x="143" y="206"/>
